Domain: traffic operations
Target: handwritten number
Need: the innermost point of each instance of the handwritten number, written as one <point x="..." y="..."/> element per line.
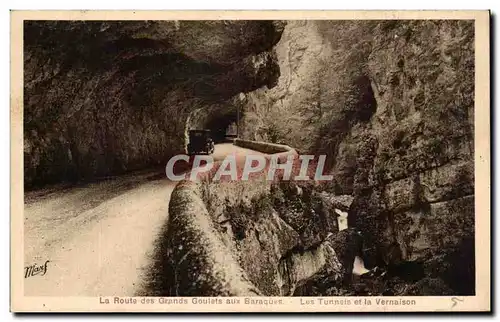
<point x="455" y="301"/>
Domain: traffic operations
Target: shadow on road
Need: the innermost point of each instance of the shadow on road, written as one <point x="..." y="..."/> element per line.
<point x="157" y="280"/>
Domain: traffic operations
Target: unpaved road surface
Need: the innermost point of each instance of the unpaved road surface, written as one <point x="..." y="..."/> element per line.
<point x="98" y="238"/>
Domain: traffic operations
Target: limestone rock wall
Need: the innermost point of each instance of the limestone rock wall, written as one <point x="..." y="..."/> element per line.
<point x="391" y="103"/>
<point x="102" y="97"/>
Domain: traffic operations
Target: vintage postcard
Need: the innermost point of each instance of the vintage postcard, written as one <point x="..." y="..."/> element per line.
<point x="246" y="161"/>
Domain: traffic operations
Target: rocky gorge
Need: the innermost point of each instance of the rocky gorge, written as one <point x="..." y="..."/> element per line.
<point x="392" y="105"/>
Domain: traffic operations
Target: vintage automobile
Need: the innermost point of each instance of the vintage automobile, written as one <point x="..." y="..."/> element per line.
<point x="200" y="141"/>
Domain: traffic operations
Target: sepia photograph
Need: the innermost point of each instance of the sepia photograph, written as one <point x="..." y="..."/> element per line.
<point x="277" y="162"/>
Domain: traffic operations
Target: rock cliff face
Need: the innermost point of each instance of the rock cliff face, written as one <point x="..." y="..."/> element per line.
<point x="285" y="237"/>
<point x="103" y="97"/>
<point x="391" y="105"/>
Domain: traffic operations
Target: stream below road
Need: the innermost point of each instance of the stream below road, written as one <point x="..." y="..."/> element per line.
<point x="359" y="266"/>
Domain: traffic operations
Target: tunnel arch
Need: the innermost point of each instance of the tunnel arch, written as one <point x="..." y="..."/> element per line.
<point x="222" y="125"/>
<point x="220" y="119"/>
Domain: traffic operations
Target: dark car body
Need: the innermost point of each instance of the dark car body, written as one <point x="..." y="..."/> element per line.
<point x="200" y="141"/>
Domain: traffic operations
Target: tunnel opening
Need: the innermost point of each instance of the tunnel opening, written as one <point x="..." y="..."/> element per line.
<point x="220" y="120"/>
<point x="224" y="127"/>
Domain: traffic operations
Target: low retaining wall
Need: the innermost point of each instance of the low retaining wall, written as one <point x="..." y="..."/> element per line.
<point x="264" y="147"/>
<point x="282" y="152"/>
<point x="199" y="263"/>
